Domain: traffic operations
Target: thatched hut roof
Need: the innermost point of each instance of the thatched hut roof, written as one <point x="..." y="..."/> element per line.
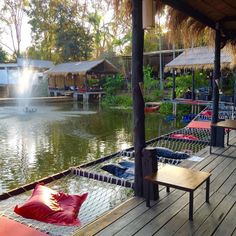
<point x="83" y="67"/>
<point x="198" y="58"/>
<point x="191" y="21"/>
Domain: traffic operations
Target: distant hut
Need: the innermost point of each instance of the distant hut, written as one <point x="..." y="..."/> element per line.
<point x="199" y="58"/>
<point x="83" y="76"/>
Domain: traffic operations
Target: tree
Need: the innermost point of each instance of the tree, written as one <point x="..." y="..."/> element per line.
<point x="11" y="17"/>
<point x="69" y="29"/>
<point x="72" y="40"/>
<point x="57" y="33"/>
<point x="111" y="32"/>
<point x="3" y="55"/>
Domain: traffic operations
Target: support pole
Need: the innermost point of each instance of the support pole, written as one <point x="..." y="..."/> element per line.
<point x="160" y="65"/>
<point x="174" y="85"/>
<point x="193" y="84"/>
<point x="234" y="74"/>
<point x="138" y="101"/>
<point x="216" y="76"/>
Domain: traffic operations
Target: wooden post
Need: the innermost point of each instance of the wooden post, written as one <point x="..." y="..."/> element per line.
<point x="193" y="84"/>
<point x="149" y="167"/>
<point x="234" y="74"/>
<point x="138" y="101"/>
<point x="216" y="77"/>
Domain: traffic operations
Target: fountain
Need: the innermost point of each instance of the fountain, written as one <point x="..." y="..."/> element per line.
<point x="26" y="80"/>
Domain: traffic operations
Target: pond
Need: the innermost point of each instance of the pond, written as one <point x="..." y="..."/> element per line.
<point x="57" y="136"/>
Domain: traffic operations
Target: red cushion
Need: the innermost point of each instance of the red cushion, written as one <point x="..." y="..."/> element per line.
<point x="10" y="227"/>
<point x="206" y="113"/>
<point x="184" y="136"/>
<point x="50" y="206"/>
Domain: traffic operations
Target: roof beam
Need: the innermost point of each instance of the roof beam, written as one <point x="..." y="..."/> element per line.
<point x="228" y="19"/>
<point x="188" y="10"/>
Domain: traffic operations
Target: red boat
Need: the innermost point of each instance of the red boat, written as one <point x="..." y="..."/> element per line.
<point x="151" y="109"/>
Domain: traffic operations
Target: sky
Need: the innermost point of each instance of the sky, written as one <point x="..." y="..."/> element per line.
<point x="25" y="37"/>
<point x="26" y="32"/>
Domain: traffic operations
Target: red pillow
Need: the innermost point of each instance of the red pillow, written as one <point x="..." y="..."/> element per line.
<point x="53" y="207"/>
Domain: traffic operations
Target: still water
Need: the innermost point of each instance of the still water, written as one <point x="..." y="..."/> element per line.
<point x="37" y="144"/>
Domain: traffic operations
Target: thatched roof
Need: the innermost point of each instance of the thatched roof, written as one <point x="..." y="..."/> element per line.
<point x="198" y="58"/>
<point x="83" y="67"/>
<point x="191" y="21"/>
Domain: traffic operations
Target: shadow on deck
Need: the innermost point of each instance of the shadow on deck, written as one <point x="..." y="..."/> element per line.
<point x="169" y="215"/>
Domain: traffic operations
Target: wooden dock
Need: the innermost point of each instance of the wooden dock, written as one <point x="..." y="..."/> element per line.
<point x="36" y="100"/>
<point x="169" y="215"/>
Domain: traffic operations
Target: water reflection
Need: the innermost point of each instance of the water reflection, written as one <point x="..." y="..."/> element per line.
<point x="56" y="137"/>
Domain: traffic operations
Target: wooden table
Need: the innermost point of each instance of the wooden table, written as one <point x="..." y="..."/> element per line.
<point x="226" y="124"/>
<point x="180" y="178"/>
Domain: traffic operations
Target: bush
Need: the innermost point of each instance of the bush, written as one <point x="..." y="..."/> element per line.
<point x="185" y="81"/>
<point x="166" y="108"/>
<point x="149" y="82"/>
<point x="153" y="96"/>
<point x="121" y="100"/>
<point x="113" y="84"/>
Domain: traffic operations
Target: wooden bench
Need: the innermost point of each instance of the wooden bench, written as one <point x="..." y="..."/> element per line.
<point x="180" y="178"/>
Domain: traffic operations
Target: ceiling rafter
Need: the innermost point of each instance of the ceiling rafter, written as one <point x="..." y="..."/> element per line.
<point x="188" y="10"/>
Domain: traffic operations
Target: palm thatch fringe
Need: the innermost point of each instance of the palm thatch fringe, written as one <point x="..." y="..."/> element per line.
<point x="182" y="28"/>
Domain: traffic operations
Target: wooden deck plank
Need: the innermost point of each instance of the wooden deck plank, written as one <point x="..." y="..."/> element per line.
<point x="156" y="223"/>
<point x="200" y="215"/>
<point x="233" y="192"/>
<point x="128" y="228"/>
<point x="223" y="175"/>
<point x="131" y="216"/>
<point x="218" y="215"/>
<point x="234" y="233"/>
<point x="229" y="184"/>
<point x="107" y="219"/>
<point x="226" y="227"/>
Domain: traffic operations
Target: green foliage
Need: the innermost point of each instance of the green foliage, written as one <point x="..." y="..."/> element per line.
<point x="57" y="33"/>
<point x="151" y="91"/>
<point x="153" y="96"/>
<point x="185" y="81"/>
<point x="183" y="109"/>
<point x="113" y="84"/>
<point x="3" y="55"/>
<point x="121" y="101"/>
<point x="149" y="82"/>
<point x="227" y="82"/>
<point x="166" y="108"/>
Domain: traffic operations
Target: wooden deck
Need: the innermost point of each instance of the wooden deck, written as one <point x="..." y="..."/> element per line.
<point x="169" y="215"/>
